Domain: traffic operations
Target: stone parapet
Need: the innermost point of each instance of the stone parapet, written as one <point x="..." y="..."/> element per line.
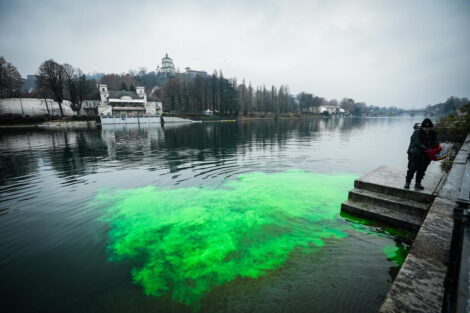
<point x="419" y="286"/>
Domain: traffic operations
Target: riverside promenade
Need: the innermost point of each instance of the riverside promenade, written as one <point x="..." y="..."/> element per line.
<point x="420" y="285"/>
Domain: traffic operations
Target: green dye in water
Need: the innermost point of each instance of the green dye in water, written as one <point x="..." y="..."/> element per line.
<point x="365" y="225"/>
<point x="396" y="253"/>
<point x="188" y="240"/>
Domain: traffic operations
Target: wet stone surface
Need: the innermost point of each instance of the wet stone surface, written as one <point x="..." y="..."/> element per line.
<point x="419" y="286"/>
<point x="395" y="178"/>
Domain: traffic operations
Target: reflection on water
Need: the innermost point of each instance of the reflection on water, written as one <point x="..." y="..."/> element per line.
<point x="53" y="243"/>
<point x="322" y="141"/>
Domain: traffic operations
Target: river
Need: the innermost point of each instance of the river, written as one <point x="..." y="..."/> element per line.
<point x="206" y="217"/>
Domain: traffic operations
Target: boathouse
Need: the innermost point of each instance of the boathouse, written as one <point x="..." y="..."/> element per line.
<point x="117" y="103"/>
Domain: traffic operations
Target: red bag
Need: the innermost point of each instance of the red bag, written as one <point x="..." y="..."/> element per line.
<point x="434" y="153"/>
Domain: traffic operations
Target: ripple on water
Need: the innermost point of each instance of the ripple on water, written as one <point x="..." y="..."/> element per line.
<point x="52" y="241"/>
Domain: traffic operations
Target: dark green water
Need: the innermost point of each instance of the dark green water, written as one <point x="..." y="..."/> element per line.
<point x="221" y="217"/>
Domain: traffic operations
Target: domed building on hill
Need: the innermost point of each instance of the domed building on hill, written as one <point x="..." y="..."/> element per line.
<point x="168" y="68"/>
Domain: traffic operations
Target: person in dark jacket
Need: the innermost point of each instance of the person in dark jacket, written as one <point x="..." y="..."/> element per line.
<point x="423" y="138"/>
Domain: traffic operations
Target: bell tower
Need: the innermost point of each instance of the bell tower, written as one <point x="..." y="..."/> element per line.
<point x="104" y="93"/>
<point x="168" y="68"/>
<point x="140" y="91"/>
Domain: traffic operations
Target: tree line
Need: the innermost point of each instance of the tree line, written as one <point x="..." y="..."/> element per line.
<point x="193" y="95"/>
<point x="53" y="80"/>
<point x="64" y="82"/>
<point x="451" y="106"/>
<point x="186" y="94"/>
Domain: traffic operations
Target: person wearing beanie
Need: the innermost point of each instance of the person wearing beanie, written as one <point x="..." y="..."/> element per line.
<point x="423" y="138"/>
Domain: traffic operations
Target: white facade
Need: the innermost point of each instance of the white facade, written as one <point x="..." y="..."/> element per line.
<point x="140" y="91"/>
<point x="34" y="107"/>
<point x="194" y="73"/>
<point x="119" y="103"/>
<point x="153" y="108"/>
<point x="167" y="65"/>
<point x="142" y="120"/>
<point x="104" y="94"/>
<point x="331" y="109"/>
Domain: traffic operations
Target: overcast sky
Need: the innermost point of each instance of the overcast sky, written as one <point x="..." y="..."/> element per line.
<point x="402" y="53"/>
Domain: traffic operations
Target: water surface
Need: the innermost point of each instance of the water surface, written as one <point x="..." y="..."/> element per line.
<point x="221" y="217"/>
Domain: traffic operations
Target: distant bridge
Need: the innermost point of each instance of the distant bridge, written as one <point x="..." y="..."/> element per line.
<point x="414" y="112"/>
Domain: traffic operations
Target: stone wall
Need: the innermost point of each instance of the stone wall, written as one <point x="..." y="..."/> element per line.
<point x="419" y="286"/>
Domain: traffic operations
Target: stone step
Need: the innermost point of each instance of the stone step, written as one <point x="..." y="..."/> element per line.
<point x="410" y="194"/>
<point x="381" y="214"/>
<point x="398" y="204"/>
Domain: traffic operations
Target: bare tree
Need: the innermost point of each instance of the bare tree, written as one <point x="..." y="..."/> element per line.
<point x="114" y="81"/>
<point x="84" y="88"/>
<point x="45" y="93"/>
<point x="51" y="75"/>
<point x="10" y="80"/>
<point x="78" y="87"/>
<point x="70" y="77"/>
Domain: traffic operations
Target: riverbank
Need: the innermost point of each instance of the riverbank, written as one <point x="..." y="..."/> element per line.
<point x="53" y="124"/>
<point x="81" y="122"/>
<point x="21" y="121"/>
<point x="421" y="283"/>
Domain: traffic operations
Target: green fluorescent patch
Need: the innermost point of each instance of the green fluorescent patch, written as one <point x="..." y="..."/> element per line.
<point x="373" y="227"/>
<point x="185" y="241"/>
<point x="396" y="253"/>
<point x="190" y="239"/>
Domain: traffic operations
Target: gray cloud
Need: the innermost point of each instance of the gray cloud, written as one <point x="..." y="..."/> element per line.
<point x="385" y="53"/>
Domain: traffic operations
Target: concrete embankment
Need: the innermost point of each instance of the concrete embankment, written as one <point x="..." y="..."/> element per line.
<point x="379" y="195"/>
<point x="54" y="125"/>
<point x="419" y="286"/>
<point x="69" y="124"/>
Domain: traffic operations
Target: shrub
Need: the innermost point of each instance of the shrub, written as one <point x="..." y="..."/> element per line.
<point x="455" y="128"/>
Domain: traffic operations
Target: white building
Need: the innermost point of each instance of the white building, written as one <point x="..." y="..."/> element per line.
<point x="331" y="109"/>
<point x="118" y="103"/>
<point x="194" y="73"/>
<point x="208" y="112"/>
<point x="168" y="68"/>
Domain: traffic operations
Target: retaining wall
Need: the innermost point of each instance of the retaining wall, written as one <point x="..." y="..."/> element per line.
<point x="419" y="286"/>
<point x="34" y="107"/>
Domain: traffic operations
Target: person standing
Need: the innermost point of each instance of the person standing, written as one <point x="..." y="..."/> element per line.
<point x="423" y="138"/>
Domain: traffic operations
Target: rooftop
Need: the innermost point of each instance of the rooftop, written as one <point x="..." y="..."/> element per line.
<point x="123" y="93"/>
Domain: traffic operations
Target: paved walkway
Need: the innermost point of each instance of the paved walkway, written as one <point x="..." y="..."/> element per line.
<point x="395" y="178"/>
